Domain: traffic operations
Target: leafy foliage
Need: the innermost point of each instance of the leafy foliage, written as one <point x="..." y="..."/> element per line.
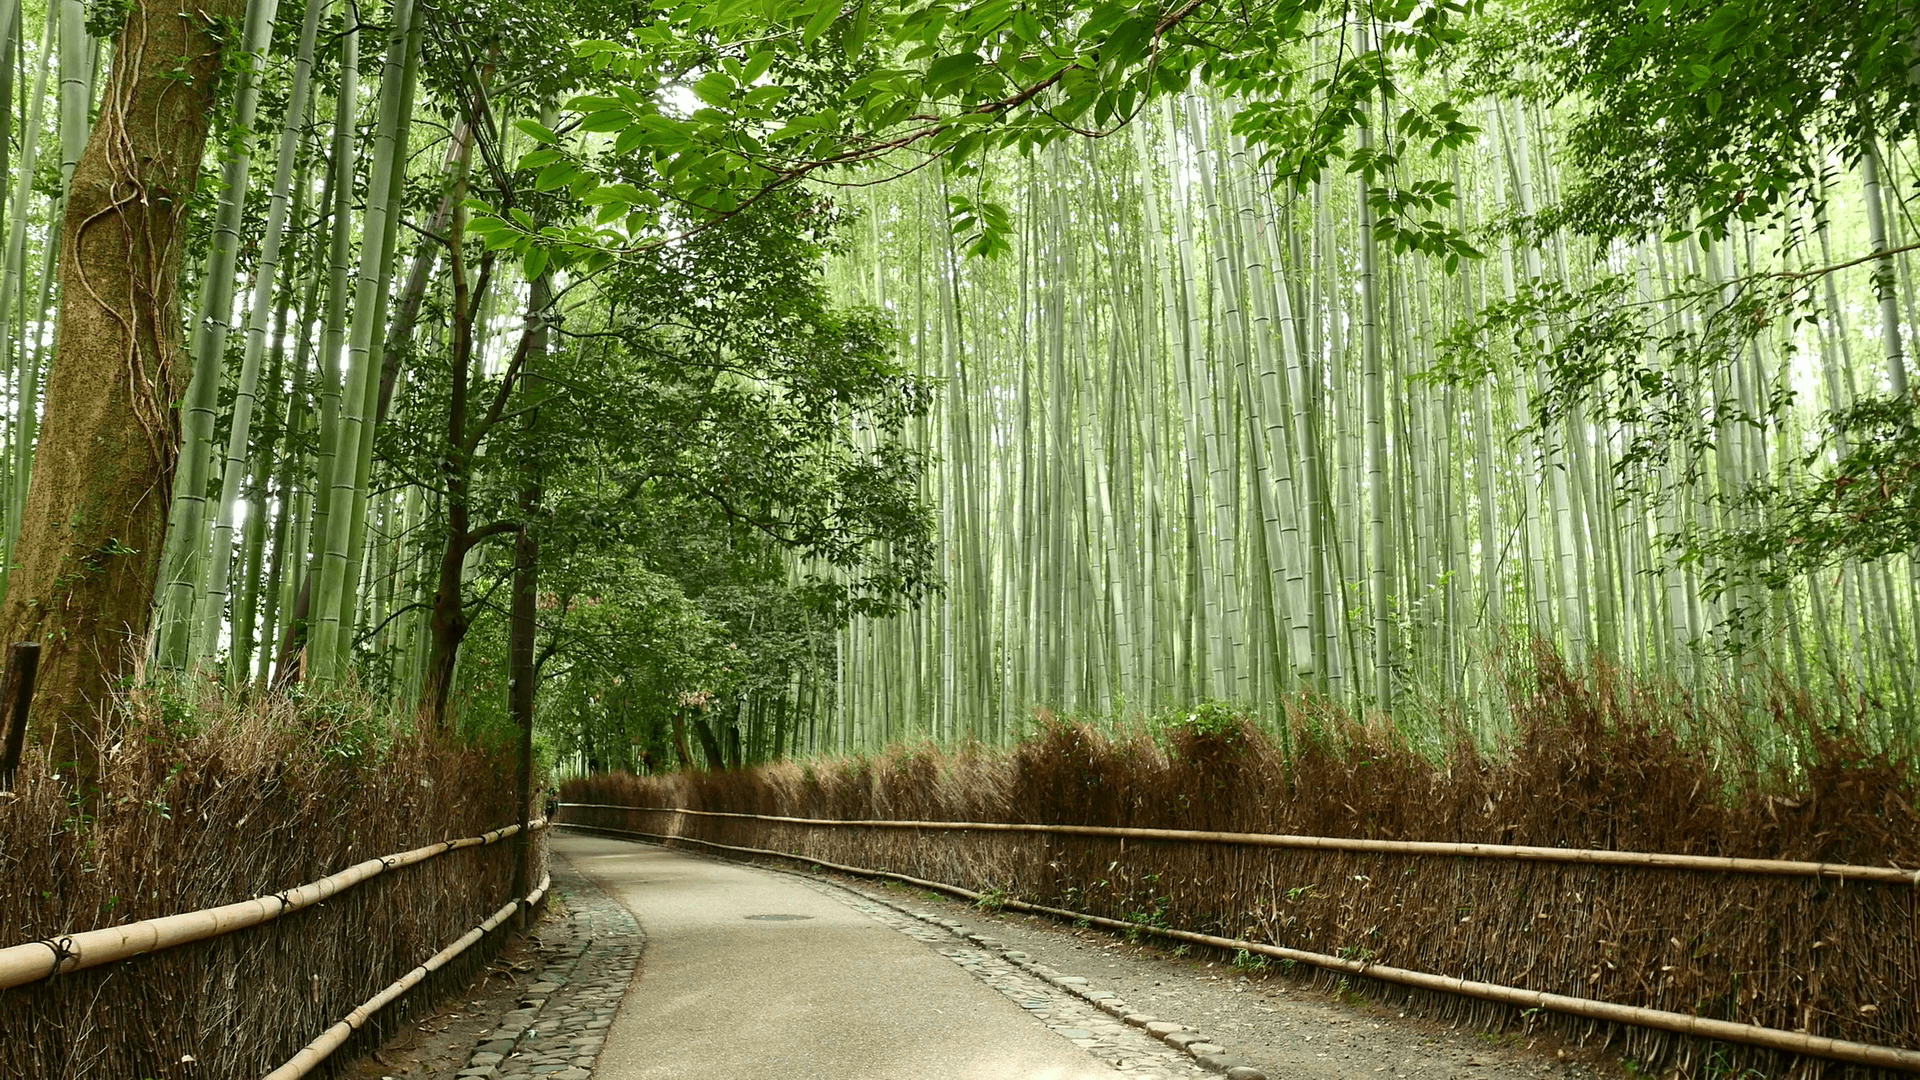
<point x="724" y="482"/>
<point x="703" y="109"/>
<point x="1862" y="503"/>
<point x="1651" y="373"/>
<point x="1702" y="112"/>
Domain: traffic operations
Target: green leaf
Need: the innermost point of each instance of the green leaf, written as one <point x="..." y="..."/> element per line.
<point x="757" y="65"/>
<point x="856" y="35"/>
<point x="540" y="132"/>
<point x="535" y="262"/>
<point x="823" y="17"/>
<point x="949" y="70"/>
<point x="714" y="88"/>
<point x="557" y="175"/>
<point x="629" y="139"/>
<point x="605" y="120"/>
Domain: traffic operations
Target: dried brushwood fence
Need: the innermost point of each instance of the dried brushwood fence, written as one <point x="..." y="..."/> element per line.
<point x="243" y="806"/>
<point x="1830" y="956"/>
<point x="314" y="1053"/>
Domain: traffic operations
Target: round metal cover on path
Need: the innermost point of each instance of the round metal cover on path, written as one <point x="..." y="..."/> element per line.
<point x="778" y="918"/>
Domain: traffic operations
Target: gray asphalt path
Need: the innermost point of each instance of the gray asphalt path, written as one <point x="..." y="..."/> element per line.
<point x="831" y="996"/>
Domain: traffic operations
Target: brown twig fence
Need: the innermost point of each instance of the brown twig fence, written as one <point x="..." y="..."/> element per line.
<point x="1062" y="864"/>
<point x="36" y="960"/>
<point x="1516" y="852"/>
<point x="50" y="964"/>
<point x="315" y="1052"/>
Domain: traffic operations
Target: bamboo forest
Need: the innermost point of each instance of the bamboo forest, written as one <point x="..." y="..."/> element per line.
<point x="811" y="378"/>
<point x="1402" y="505"/>
<point x="832" y="377"/>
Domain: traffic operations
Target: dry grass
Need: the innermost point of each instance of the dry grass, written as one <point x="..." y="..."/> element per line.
<point x="1596" y="761"/>
<point x="203" y="802"/>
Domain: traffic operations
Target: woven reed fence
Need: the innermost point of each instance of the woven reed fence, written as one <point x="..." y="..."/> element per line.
<point x="1830" y="955"/>
<point x="206" y="820"/>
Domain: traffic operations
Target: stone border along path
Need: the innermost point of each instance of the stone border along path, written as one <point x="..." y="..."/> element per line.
<point x="562" y="1023"/>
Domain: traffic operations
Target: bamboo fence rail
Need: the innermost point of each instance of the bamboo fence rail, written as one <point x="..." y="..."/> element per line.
<point x="1518" y="852"/>
<point x="311" y="1055"/>
<point x="1681" y="1023"/>
<point x="36" y="960"/>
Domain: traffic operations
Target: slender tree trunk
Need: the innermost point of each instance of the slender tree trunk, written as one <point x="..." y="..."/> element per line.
<point x="447" y="625"/>
<point x="96" y="517"/>
<point x="523" y="676"/>
<point x="703" y="729"/>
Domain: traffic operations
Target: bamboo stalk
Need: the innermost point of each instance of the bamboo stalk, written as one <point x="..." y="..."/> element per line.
<point x="1517" y="852"/>
<point x="266" y="273"/>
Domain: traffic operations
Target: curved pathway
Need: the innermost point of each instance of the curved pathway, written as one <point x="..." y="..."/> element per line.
<point x="750" y="973"/>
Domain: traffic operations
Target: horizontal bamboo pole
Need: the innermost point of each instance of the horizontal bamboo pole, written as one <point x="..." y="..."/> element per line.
<point x="334" y="1037"/>
<point x="1792" y="1042"/>
<point x="1580" y="856"/>
<point x="38" y="960"/>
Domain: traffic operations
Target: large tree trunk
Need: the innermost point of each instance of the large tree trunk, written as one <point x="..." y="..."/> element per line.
<point x="96" y="518"/>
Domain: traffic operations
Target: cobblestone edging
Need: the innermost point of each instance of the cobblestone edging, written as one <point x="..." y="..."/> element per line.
<point x="562" y="1022"/>
<point x="1133" y="1043"/>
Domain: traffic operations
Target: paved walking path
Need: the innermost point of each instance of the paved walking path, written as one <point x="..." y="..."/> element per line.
<point x="749" y="973"/>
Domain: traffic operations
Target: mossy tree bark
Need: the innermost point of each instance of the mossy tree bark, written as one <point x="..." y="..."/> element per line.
<point x="90" y="542"/>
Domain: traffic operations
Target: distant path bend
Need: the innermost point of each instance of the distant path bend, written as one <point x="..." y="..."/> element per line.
<point x="833" y="995"/>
